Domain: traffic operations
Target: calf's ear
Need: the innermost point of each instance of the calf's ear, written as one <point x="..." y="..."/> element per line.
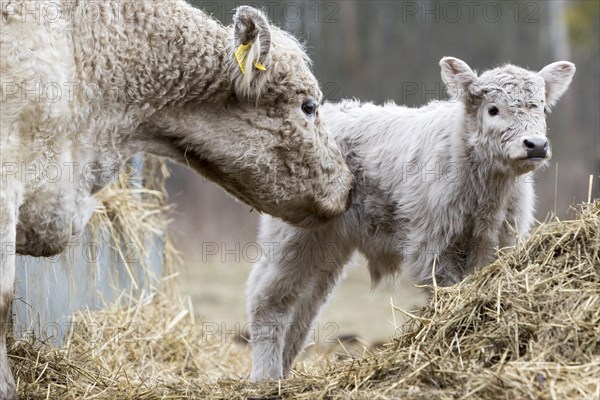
<point x="557" y="77"/>
<point x="251" y="46"/>
<point x="457" y="76"/>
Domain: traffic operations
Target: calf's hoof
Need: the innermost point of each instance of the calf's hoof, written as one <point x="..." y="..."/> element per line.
<point x="261" y="376"/>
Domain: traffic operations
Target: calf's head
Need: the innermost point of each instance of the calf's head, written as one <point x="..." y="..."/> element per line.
<point x="263" y="140"/>
<point x="505" y="110"/>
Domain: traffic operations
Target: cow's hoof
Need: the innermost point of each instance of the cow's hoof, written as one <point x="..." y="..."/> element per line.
<point x="8" y="390"/>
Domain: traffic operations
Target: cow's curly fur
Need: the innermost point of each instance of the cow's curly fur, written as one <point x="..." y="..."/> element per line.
<point x="436" y="190"/>
<point x="87" y="84"/>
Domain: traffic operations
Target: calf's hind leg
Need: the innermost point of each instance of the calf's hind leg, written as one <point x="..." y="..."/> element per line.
<point x="322" y="282"/>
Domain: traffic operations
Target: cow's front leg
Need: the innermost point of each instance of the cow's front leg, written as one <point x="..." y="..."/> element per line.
<point x="9" y="205"/>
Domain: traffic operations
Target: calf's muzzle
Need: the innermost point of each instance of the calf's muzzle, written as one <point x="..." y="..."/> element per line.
<point x="536" y="147"/>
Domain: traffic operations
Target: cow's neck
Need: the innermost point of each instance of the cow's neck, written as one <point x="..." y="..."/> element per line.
<point x="148" y="55"/>
<point x="146" y="58"/>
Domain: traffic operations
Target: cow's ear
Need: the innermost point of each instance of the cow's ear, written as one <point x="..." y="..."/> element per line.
<point x="457" y="76"/>
<point x="557" y="77"/>
<point x="251" y="46"/>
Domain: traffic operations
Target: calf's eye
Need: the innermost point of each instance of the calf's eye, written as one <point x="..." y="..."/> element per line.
<point x="493" y="110"/>
<point x="309" y="108"/>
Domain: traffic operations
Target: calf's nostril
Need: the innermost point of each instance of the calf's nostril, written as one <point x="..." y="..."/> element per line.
<point x="536" y="147"/>
<point x="529" y="144"/>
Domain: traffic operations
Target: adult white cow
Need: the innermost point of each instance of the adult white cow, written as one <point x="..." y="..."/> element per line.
<point x="86" y="84"/>
<point x="436" y="188"/>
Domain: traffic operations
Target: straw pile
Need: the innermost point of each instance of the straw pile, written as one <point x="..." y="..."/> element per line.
<point x="133" y="214"/>
<point x="525" y="327"/>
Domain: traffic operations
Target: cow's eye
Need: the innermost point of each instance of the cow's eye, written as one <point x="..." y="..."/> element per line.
<point x="493" y="110"/>
<point x="309" y="107"/>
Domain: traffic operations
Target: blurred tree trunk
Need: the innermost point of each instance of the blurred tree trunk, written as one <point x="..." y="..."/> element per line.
<point x="557" y="30"/>
<point x="351" y="44"/>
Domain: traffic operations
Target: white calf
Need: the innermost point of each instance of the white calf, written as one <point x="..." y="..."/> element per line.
<point x="435" y="188"/>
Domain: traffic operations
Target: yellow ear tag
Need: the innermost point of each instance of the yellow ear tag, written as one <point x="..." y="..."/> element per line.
<point x="242" y="53"/>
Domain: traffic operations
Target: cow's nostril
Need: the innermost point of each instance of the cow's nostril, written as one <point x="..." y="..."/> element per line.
<point x="529" y="144"/>
<point x="546" y="145"/>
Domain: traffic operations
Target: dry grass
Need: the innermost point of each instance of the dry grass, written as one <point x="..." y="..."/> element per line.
<point x="525" y="327"/>
<point x="133" y="212"/>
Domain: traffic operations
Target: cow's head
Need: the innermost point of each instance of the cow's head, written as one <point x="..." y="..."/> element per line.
<point x="506" y="110"/>
<point x="264" y="141"/>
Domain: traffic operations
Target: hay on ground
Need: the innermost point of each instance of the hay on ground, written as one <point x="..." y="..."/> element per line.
<point x="525" y="327"/>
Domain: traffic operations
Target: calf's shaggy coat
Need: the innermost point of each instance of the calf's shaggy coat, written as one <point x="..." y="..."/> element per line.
<point x="85" y="85"/>
<point x="436" y="190"/>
